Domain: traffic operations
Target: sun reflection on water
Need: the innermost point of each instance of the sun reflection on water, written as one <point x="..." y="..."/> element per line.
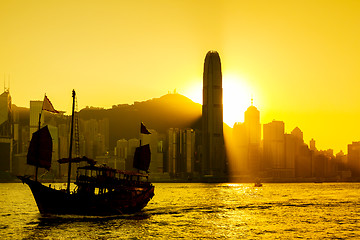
<point x="198" y="210"/>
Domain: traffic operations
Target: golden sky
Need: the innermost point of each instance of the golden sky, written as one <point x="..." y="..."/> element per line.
<point x="299" y="60"/>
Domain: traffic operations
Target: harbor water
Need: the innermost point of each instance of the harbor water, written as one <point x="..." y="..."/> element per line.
<point x="196" y="210"/>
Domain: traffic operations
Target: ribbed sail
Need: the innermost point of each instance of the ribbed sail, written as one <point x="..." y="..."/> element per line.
<point x="142" y="157"/>
<point x="40" y="149"/>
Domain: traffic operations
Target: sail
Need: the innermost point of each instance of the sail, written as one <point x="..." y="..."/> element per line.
<point x="40" y="149"/>
<point x="142" y="157"/>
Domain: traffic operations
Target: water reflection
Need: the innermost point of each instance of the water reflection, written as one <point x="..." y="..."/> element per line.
<point x="61" y="219"/>
<point x="229" y="211"/>
<point x="54" y="226"/>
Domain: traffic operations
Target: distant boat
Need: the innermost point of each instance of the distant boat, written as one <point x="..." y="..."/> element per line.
<point x="318" y="181"/>
<point x="100" y="190"/>
<point x="258" y="184"/>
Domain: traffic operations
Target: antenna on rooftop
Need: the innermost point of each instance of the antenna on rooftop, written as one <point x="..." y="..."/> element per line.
<point x="8" y="88"/>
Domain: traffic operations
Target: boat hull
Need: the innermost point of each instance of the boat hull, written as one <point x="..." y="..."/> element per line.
<point x="52" y="201"/>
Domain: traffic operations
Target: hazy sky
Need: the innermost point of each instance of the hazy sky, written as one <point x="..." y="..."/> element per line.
<point x="300" y="60"/>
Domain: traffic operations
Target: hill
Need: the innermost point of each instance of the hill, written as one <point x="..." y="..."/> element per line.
<point x="160" y="114"/>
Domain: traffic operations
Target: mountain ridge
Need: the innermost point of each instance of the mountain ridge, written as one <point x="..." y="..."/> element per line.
<point x="160" y="114"/>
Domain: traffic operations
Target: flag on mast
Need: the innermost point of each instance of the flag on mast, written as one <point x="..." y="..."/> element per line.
<point x="144" y="130"/>
<point x="47" y="106"/>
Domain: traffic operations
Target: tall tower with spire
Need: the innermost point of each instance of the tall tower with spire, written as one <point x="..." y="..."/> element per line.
<point x="253" y="132"/>
<point x="252" y="122"/>
<point x="213" y="156"/>
<point x="5" y="114"/>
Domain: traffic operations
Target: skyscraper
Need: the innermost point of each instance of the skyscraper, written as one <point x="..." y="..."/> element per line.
<point x="213" y="154"/>
<point x="253" y="132"/>
<point x="253" y="126"/>
<point x="5" y="114"/>
<point x="181" y="153"/>
<point x="354" y="158"/>
<point x="246" y="139"/>
<point x="274" y="148"/>
<point x="6" y="141"/>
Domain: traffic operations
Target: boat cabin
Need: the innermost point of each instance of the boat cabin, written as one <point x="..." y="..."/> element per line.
<point x="101" y="179"/>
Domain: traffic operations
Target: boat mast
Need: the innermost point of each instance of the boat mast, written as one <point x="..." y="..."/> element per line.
<point x="37" y="167"/>
<point x="71" y="140"/>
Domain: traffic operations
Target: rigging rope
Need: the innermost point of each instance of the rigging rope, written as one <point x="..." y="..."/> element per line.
<point x="77" y="137"/>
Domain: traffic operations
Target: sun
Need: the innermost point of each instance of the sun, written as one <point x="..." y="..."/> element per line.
<point x="236" y="97"/>
<point x="194" y="91"/>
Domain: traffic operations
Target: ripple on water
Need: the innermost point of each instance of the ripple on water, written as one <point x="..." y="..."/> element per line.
<point x="190" y="211"/>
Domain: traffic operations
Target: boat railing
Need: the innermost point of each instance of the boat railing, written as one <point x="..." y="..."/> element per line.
<point x="111" y="182"/>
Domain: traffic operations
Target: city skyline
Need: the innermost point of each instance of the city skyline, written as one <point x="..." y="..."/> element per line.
<point x="298" y="61"/>
<point x="280" y="156"/>
<point x="287" y="129"/>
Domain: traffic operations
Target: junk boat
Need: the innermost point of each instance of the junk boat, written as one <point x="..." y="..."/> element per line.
<point x="100" y="190"/>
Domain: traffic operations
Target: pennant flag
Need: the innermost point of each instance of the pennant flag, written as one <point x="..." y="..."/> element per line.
<point x="143" y="129"/>
<point x="47" y="106"/>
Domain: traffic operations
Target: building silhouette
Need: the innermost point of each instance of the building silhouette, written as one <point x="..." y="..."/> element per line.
<point x="181" y="153"/>
<point x="354" y="158"/>
<point x="252" y="122"/>
<point x="274" y="148"/>
<point x="239" y="166"/>
<point x="6" y="138"/>
<point x="253" y="130"/>
<point x="312" y="145"/>
<point x="121" y="151"/>
<point x="213" y="154"/>
<point x="96" y="135"/>
<point x="5" y="114"/>
<point x="247" y="140"/>
<point x="173" y="151"/>
<point x="295" y="152"/>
